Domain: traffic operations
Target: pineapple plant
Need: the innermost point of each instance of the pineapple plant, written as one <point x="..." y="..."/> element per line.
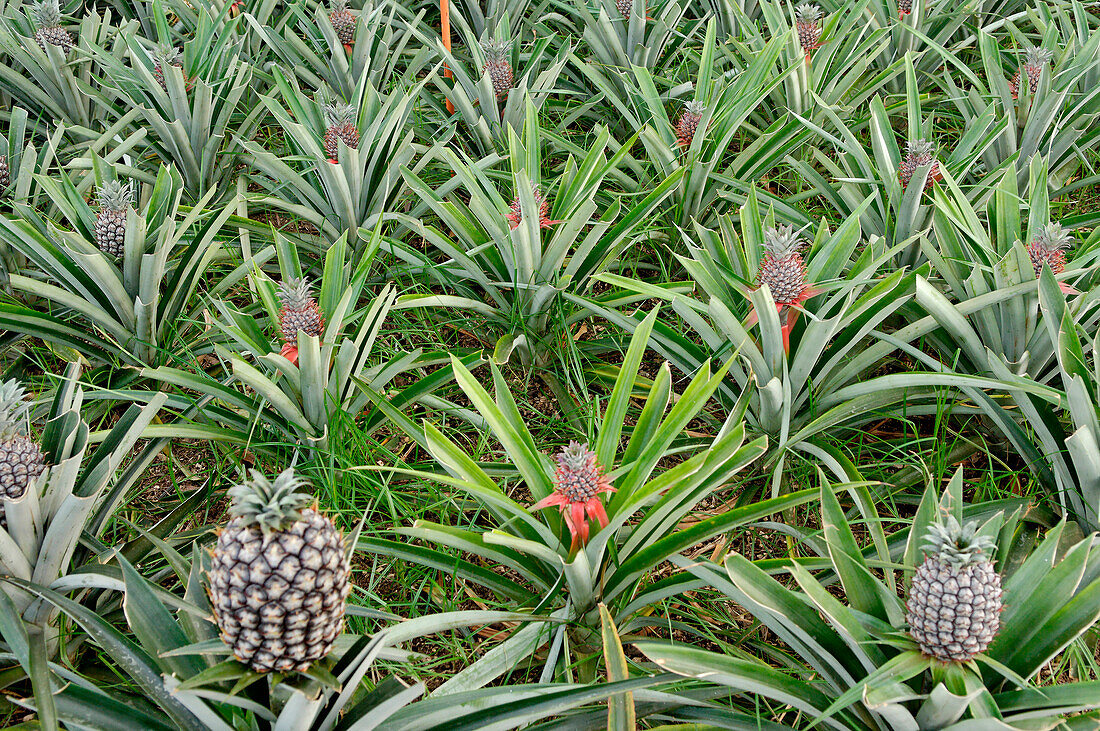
<point x="808" y="24"/>
<point x="918" y="154"/>
<point x="343" y="22"/>
<point x="299" y="312"/>
<point x="515" y="215"/>
<point x="113" y="199"/>
<point x="278" y="576"/>
<point x="166" y="56"/>
<point x="688" y="123"/>
<point x="1049" y="247"/>
<point x="47" y="18"/>
<point x="498" y="65"/>
<point x="340" y="121"/>
<point x="954" y="604"/>
<point x="5" y="172"/>
<point x="782" y="267"/>
<point x="21" y="459"/>
<point x="1034" y="61"/>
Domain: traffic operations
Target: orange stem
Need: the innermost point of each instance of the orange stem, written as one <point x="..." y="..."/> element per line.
<point x="445" y="29"/>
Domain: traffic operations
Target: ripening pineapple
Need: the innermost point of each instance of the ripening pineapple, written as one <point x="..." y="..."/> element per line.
<point x="904" y="8"/>
<point x="808" y="24"/>
<point x="782" y="268"/>
<point x="624" y="7"/>
<point x="498" y="65"/>
<point x="299" y="311"/>
<point x="340" y="118"/>
<point x="166" y="56"/>
<point x="688" y="123"/>
<point x="1049" y="247"/>
<point x="47" y="17"/>
<point x="279" y="576"/>
<point x="343" y="22"/>
<point x="21" y="459"/>
<point x="918" y="154"/>
<point x="955" y="599"/>
<point x="1034" y="61"/>
<point x="113" y="199"/>
<point x="5" y="173"/>
<point x="515" y="215"/>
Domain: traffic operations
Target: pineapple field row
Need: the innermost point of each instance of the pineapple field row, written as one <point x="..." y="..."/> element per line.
<point x="470" y="365"/>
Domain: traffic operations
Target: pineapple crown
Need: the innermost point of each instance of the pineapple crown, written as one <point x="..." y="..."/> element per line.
<point x="340" y="6"/>
<point x="782" y="241"/>
<point x="169" y="55"/>
<point x="113" y="196"/>
<point x="339" y="114"/>
<point x="576" y="457"/>
<point x="1053" y="237"/>
<point x="919" y="148"/>
<point x="269" y="506"/>
<point x="958" y="545"/>
<point x="47" y="14"/>
<point x="13" y="408"/>
<point x="294" y="293"/>
<point x="808" y="13"/>
<point x="695" y="107"/>
<point x="496" y="49"/>
<point x="1036" y="56"/>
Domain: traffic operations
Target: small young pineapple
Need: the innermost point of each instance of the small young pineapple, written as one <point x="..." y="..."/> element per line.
<point x="782" y="268"/>
<point x="498" y="65"/>
<point x="1035" y="59"/>
<point x="279" y="576"/>
<point x="954" y="602"/>
<point x="918" y="154"/>
<point x="113" y="199"/>
<point x="5" y="173"/>
<point x="21" y="459"/>
<point x="808" y="24"/>
<point x="688" y="123"/>
<point x="624" y="7"/>
<point x="1049" y="247"/>
<point x="904" y="8"/>
<point x="578" y="483"/>
<point x="299" y="313"/>
<point x="47" y="17"/>
<point x="515" y="215"/>
<point x="343" y="22"/>
<point x="340" y="118"/>
<point x="166" y="56"/>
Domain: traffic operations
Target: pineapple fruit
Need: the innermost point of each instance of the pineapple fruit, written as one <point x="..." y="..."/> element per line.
<point x="5" y="172"/>
<point x="279" y="576"/>
<point x="1035" y="59"/>
<point x="1049" y="247"/>
<point x="905" y="7"/>
<point x="918" y="154"/>
<point x="47" y="17"/>
<point x="782" y="267"/>
<point x="299" y="312"/>
<point x="343" y="22"/>
<point x="499" y="65"/>
<point x="808" y="24"/>
<point x="624" y="7"/>
<point x="113" y="199"/>
<point x="21" y="459"/>
<point x="515" y="215"/>
<point x="954" y="602"/>
<point x="340" y="118"/>
<point x="166" y="56"/>
<point x="688" y="123"/>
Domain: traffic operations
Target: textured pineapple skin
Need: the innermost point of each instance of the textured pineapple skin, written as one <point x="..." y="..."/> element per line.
<point x="809" y="35"/>
<point x="279" y="602"/>
<point x="110" y="231"/>
<point x="343" y="22"/>
<point x="21" y="460"/>
<point x="905" y="7"/>
<point x="501" y="76"/>
<point x="346" y="132"/>
<point x="1039" y="255"/>
<point x="954" y="613"/>
<point x="909" y="166"/>
<point x="686" y="127"/>
<point x="5" y="173"/>
<point x="55" y="37"/>
<point x="308" y="319"/>
<point x="785" y="277"/>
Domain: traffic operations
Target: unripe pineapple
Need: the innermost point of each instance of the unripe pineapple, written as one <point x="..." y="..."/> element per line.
<point x="578" y="483"/>
<point x="299" y="311"/>
<point x="955" y="598"/>
<point x="688" y="123"/>
<point x="343" y="22"/>
<point x="1034" y="61"/>
<point x="110" y="220"/>
<point x="166" y="56"/>
<point x="498" y="65"/>
<point x="279" y="576"/>
<point x="47" y="17"/>
<point x="624" y="7"/>
<point x="808" y="24"/>
<point x="340" y="118"/>
<point x="904" y="8"/>
<point x="1049" y="247"/>
<point x="782" y="268"/>
<point x="917" y="154"/>
<point x="21" y="459"/>
<point x="5" y="173"/>
<point x="515" y="215"/>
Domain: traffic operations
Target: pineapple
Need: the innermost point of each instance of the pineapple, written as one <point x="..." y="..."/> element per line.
<point x="515" y="215"/>
<point x="955" y="599"/>
<point x="340" y="118"/>
<point x="917" y="154"/>
<point x="5" y="173"/>
<point x="343" y="22"/>
<point x="21" y="459"/>
<point x="110" y="220"/>
<point x="1049" y="247"/>
<point x="1034" y="61"/>
<point x="782" y="268"/>
<point x="808" y="25"/>
<point x="47" y="16"/>
<point x="688" y="123"/>
<point x="624" y="7"/>
<point x="498" y="65"/>
<point x="299" y="311"/>
<point x="904" y="8"/>
<point x="166" y="56"/>
<point x="278" y="576"/>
